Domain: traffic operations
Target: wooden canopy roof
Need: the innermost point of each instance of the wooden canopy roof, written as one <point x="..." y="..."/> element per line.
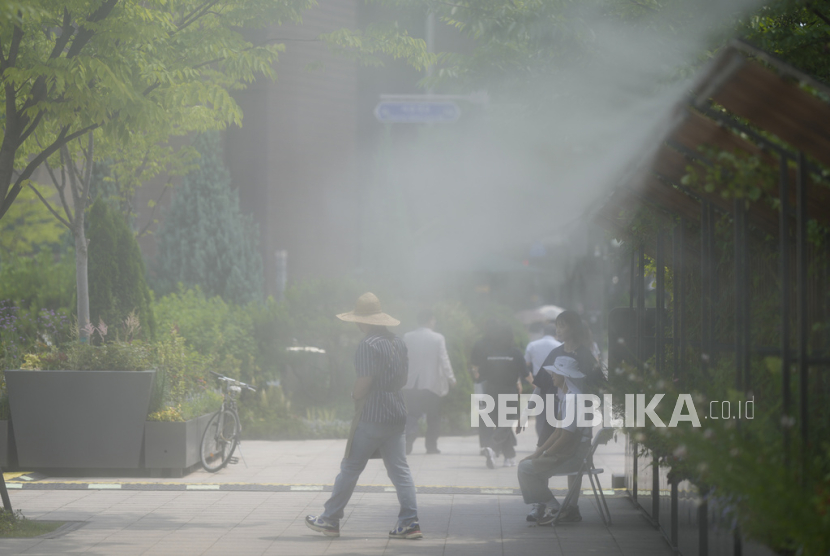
<point x="735" y="88"/>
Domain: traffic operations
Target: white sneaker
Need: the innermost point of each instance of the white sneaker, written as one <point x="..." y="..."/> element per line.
<point x="490" y="455"/>
<point x="510" y="462"/>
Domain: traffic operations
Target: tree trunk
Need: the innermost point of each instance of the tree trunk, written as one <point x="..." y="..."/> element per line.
<point x="81" y="275"/>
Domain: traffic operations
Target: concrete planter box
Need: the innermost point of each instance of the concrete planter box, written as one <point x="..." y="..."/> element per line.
<point x="5" y="444"/>
<point x="79" y="419"/>
<point x="174" y="447"/>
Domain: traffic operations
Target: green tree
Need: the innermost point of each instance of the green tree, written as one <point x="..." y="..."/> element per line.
<point x="28" y="226"/>
<point x="796" y="31"/>
<point x="135" y="73"/>
<point x="205" y="239"/>
<point x="117" y="284"/>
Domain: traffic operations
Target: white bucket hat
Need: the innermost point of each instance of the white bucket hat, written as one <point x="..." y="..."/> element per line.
<point x="565" y="366"/>
<point x="367" y="310"/>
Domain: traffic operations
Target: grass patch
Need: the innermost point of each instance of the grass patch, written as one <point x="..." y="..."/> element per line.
<point x="14" y="525"/>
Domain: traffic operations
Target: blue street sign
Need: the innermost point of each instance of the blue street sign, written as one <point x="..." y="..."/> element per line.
<point x="417" y="112"/>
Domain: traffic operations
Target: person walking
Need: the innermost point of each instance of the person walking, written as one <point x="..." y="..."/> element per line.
<point x="430" y="378"/>
<point x="499" y="365"/>
<point x="535" y="354"/>
<point x="379" y="423"/>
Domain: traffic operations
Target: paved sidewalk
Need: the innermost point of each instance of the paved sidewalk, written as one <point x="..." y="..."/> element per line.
<point x="464" y="508"/>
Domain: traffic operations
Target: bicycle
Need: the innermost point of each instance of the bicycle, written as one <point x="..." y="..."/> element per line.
<point x="223" y="433"/>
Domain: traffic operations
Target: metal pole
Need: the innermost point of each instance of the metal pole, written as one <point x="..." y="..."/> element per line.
<point x="674" y="514"/>
<point x="658" y="317"/>
<point x="739" y="291"/>
<point x="631" y="281"/>
<point x="713" y="283"/>
<point x="784" y="271"/>
<point x="655" y="490"/>
<point x="641" y="308"/>
<point x="703" y="528"/>
<point x="705" y="304"/>
<point x="675" y="328"/>
<point x="747" y="299"/>
<point x="737" y="542"/>
<point x="681" y="298"/>
<point x="803" y="330"/>
<point x="635" y="473"/>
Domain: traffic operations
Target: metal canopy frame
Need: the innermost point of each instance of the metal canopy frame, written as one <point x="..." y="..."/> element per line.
<point x="750" y="101"/>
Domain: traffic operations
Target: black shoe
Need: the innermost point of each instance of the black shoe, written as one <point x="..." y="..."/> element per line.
<point x="570" y="515"/>
<point x="537" y="512"/>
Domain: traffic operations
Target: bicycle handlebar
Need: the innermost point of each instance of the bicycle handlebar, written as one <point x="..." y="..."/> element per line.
<point x="229" y="379"/>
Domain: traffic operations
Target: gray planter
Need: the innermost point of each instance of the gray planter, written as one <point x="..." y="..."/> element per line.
<point x="79" y="419"/>
<point x="174" y="447"/>
<point x="4" y="444"/>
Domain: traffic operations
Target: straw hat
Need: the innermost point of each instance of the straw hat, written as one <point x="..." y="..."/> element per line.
<point x="367" y="310"/>
<point x="565" y="366"/>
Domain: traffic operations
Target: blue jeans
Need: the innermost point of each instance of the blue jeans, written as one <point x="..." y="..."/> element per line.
<point x="391" y="441"/>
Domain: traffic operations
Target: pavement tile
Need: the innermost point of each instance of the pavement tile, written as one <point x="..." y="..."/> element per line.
<point x="251" y="522"/>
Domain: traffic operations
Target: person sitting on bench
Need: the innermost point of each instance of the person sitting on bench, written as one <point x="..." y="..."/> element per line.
<point x="563" y="452"/>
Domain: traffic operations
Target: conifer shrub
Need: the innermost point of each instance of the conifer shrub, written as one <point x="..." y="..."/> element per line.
<point x="117" y="283"/>
<point x="205" y="239"/>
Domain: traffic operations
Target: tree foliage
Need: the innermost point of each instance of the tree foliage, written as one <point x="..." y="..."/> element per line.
<point x="205" y="239"/>
<point x="28" y="226"/>
<point x="136" y="73"/>
<point x="796" y="31"/>
<point x="117" y="285"/>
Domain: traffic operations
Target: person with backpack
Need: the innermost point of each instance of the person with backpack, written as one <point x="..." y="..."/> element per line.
<point x="380" y="420"/>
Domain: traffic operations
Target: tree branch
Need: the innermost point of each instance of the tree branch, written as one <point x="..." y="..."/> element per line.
<point x="32" y="126"/>
<point x="14" y="47"/>
<point x="83" y="35"/>
<point x="62" y="139"/>
<point x="195" y="15"/>
<point x="66" y="33"/>
<point x="61" y="187"/>
<point x="52" y="210"/>
<point x="820" y="15"/>
<point x="69" y="163"/>
<point x="88" y="173"/>
<point x="153" y="211"/>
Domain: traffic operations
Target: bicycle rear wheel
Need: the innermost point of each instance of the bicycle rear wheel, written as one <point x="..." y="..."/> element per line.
<point x="219" y="440"/>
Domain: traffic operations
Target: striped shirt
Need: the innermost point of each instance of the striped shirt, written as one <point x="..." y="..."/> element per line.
<point x="382" y="355"/>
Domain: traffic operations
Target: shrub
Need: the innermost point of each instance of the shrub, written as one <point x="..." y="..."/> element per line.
<point x="206" y="241"/>
<point x="117" y="286"/>
<point x="221" y="331"/>
<point x="44" y="281"/>
<point x="111" y="356"/>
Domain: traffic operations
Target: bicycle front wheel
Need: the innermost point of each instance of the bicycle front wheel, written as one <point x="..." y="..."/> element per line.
<point x="219" y="440"/>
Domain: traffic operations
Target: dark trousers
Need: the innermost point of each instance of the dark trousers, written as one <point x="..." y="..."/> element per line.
<point x="418" y="403"/>
<point x="502" y="440"/>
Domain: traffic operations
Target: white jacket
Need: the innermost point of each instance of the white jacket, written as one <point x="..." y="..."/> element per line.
<point x="429" y="363"/>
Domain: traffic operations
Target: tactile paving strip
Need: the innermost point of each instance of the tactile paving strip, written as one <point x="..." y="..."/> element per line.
<point x="258" y="487"/>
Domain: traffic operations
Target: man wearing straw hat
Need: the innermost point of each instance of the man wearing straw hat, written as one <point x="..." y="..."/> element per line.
<point x="562" y="452"/>
<point x="379" y="422"/>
